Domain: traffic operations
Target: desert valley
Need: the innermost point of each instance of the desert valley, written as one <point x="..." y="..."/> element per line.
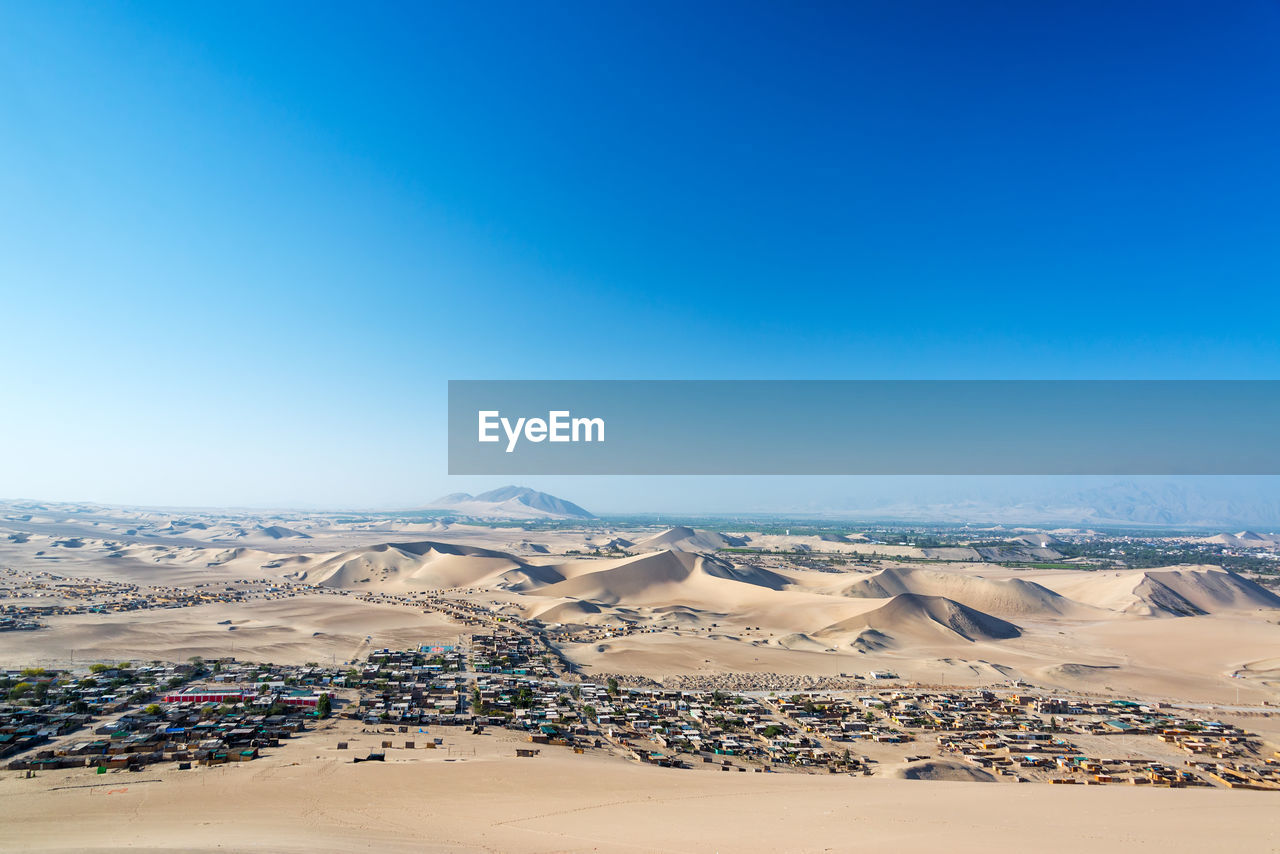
<point x="848" y="663"/>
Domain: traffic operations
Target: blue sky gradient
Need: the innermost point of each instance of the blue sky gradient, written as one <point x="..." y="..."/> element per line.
<point x="243" y="246"/>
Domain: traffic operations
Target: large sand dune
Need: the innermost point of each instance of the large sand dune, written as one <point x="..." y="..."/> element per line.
<point x="1245" y="539"/>
<point x="1185" y="591"/>
<point x="411" y="565"/>
<point x="1007" y="596"/>
<point x="660" y="578"/>
<point x="915" y="617"/>
<point x="685" y="539"/>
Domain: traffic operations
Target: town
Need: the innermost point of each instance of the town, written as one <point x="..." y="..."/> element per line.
<point x="124" y="716"/>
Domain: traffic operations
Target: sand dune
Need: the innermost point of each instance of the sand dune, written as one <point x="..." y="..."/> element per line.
<point x="658" y="578"/>
<point x="746" y="574"/>
<point x="1077" y="675"/>
<point x="279" y="532"/>
<point x="569" y="611"/>
<point x="917" y="617"/>
<point x="420" y="565"/>
<point x="527" y="577"/>
<point x="683" y="616"/>
<point x="803" y="642"/>
<point x="871" y="640"/>
<point x="608" y="543"/>
<point x="628" y="579"/>
<point x="686" y="539"/>
<point x="510" y="502"/>
<point x="1245" y="539"/>
<point x="1008" y="596"/>
<point x="1178" y="592"/>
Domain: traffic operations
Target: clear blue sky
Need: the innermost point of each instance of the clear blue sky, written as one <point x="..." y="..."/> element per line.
<point x="244" y="245"/>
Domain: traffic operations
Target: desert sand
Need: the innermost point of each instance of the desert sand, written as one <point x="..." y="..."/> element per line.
<point x="479" y="798"/>
<point x="283" y="631"/>
<point x="683" y="606"/>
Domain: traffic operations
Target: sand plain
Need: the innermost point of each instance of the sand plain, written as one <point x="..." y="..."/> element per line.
<point x="476" y="797"/>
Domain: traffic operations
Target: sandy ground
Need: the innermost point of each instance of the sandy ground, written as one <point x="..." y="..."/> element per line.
<point x="1087" y="631"/>
<point x="473" y="795"/>
<point x="295" y="630"/>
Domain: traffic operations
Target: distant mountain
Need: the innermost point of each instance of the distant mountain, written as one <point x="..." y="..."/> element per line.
<point x="510" y="502"/>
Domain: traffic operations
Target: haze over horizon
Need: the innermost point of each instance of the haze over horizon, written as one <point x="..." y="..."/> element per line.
<point x="1193" y="502"/>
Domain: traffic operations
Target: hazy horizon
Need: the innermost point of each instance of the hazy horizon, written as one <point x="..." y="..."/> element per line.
<point x="1194" y="502"/>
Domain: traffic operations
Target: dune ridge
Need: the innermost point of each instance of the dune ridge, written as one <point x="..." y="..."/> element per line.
<point x="1011" y="596"/>
<point x="919" y="617"/>
<point x="1175" y="592"/>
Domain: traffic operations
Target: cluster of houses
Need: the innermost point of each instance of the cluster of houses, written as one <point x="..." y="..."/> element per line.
<point x="504" y="642"/>
<point x="138" y="714"/>
<point x="548" y="712"/>
<point x="132" y="715"/>
<point x="500" y="682"/>
<point x="422" y="686"/>
<point x="186" y="732"/>
<point x="1027" y="737"/>
<point x="512" y="653"/>
<point x="102" y="689"/>
<point x="577" y="633"/>
<point x="23" y="729"/>
<point x="45" y="705"/>
<point x="18" y="623"/>
<point x="30" y="595"/>
<point x="668" y="727"/>
<point x="252" y="677"/>
<point x="464" y="612"/>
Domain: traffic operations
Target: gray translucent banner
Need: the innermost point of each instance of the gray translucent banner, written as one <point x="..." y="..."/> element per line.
<point x="863" y="427"/>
